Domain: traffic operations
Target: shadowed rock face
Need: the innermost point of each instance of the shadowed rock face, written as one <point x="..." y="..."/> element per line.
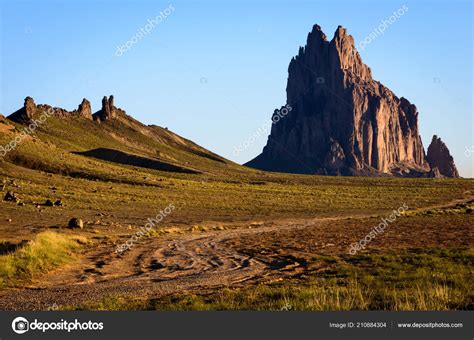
<point x="440" y="159"/>
<point x="342" y="121"/>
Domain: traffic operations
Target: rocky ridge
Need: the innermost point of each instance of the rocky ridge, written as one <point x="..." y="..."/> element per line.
<point x="30" y="109"/>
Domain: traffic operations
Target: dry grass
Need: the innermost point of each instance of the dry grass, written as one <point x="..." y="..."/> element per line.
<point x="231" y="194"/>
<point x="437" y="279"/>
<point x="45" y="252"/>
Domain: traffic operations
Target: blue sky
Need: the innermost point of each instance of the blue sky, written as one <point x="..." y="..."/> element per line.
<point x="214" y="71"/>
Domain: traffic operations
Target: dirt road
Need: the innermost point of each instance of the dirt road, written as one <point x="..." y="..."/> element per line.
<point x="245" y="255"/>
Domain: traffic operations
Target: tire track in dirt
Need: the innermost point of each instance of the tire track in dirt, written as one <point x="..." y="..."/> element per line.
<point x="153" y="267"/>
<point x="159" y="266"/>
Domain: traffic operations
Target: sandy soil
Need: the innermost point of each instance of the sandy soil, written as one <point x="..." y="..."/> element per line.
<point x="236" y="257"/>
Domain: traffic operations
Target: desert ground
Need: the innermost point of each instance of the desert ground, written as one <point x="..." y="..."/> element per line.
<point x="236" y="238"/>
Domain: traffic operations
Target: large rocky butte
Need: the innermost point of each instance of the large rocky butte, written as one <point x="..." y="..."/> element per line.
<point x="342" y="121"/>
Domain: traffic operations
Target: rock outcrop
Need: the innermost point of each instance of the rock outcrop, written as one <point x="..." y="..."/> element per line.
<point x="435" y="173"/>
<point x="342" y="121"/>
<point x="108" y="111"/>
<point x="440" y="159"/>
<point x="84" y="109"/>
<point x="26" y="113"/>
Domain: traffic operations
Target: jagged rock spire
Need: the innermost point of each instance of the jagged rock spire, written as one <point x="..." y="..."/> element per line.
<point x="440" y="158"/>
<point x="108" y="111"/>
<point x="84" y="109"/>
<point x="30" y="109"/>
<point x="343" y="121"/>
<point x="26" y="113"/>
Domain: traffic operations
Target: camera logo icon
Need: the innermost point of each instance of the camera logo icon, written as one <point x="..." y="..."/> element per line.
<point x="20" y="325"/>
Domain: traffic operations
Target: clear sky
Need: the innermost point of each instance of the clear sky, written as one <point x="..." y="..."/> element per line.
<point x="214" y="71"/>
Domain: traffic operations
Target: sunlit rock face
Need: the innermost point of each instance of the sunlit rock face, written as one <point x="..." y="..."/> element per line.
<point x="342" y="121"/>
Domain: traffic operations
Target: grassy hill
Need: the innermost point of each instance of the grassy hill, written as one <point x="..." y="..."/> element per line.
<point x="82" y="159"/>
<point x="115" y="174"/>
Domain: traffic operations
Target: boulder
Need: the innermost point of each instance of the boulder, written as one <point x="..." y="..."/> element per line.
<point x="11" y="197"/>
<point x="76" y="223"/>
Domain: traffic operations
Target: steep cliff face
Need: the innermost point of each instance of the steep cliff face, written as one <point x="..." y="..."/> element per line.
<point x="342" y="121"/>
<point x="440" y="159"/>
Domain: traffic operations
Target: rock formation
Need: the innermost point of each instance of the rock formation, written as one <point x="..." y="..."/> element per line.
<point x="84" y="109"/>
<point x="26" y="113"/>
<point x="30" y="109"/>
<point x="108" y="111"/>
<point x="440" y="159"/>
<point x="435" y="173"/>
<point x="342" y="121"/>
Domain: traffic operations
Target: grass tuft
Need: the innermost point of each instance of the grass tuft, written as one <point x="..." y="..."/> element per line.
<point x="46" y="251"/>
